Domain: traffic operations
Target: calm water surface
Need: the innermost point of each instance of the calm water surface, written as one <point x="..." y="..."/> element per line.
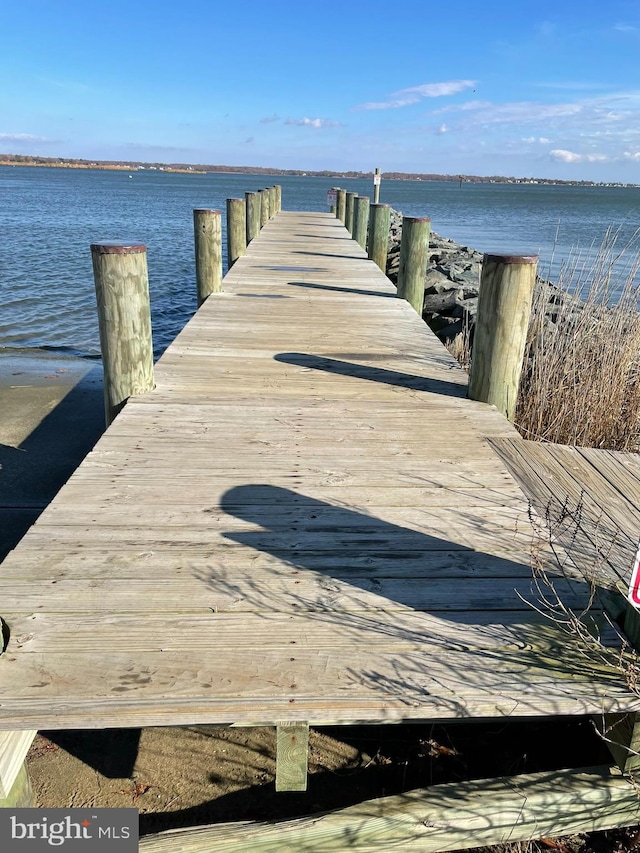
<point x="49" y="217"/>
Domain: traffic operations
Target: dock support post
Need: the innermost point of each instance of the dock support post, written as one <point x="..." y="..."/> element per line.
<point x="272" y="201"/>
<point x="265" y="211"/>
<point x="621" y="732"/>
<point x="236" y="230"/>
<point x="341" y="203"/>
<point x="378" y="242"/>
<point x="207" y="229"/>
<point x="376" y="186"/>
<point x="414" y="256"/>
<point x="361" y="220"/>
<point x="292" y="749"/>
<point x="278" y="198"/>
<point x="253" y="203"/>
<point x="124" y="318"/>
<point x="504" y="308"/>
<point x="15" y="787"/>
<point x="349" y="211"/>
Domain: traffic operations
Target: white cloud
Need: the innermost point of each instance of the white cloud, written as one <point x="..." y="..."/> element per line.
<point x="541" y="140"/>
<point x="269" y="119"/>
<point x="632" y="155"/>
<point x="414" y="94"/>
<point x="572" y="157"/>
<point x="313" y="122"/>
<point x="625" y="28"/>
<point x="22" y="137"/>
<point x="442" y="129"/>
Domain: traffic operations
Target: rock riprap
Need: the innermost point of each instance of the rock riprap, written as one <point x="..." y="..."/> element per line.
<point x="452" y="284"/>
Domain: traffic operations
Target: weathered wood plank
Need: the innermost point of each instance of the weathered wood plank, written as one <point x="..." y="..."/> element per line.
<point x="446" y="817"/>
<point x="265" y="686"/>
<point x="304" y="521"/>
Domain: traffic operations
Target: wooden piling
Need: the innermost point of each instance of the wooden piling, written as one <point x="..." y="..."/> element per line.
<point x="207" y="229"/>
<point x="349" y="210"/>
<point x="278" y="198"/>
<point x="272" y="202"/>
<point x="361" y="220"/>
<point x="236" y="230"/>
<point x="21" y="795"/>
<point x="377" y="178"/>
<point x="341" y="203"/>
<point x="378" y="241"/>
<point x="124" y="318"/>
<point x="253" y="204"/>
<point x="414" y="256"/>
<point x="504" y="307"/>
<point x="265" y="211"/>
<point x="15" y="787"/>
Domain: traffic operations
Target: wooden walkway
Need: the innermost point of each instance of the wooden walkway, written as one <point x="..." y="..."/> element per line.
<point x="304" y="521"/>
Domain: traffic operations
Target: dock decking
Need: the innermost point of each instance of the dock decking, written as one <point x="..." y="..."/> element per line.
<point x="304" y="521"/>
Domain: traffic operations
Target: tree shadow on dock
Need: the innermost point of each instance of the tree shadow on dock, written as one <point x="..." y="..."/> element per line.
<point x="361" y="580"/>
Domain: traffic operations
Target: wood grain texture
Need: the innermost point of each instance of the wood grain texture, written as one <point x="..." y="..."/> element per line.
<point x="445" y="817"/>
<point x="304" y="521"/>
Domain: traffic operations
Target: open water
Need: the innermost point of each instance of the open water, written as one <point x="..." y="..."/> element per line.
<point x="49" y="217"/>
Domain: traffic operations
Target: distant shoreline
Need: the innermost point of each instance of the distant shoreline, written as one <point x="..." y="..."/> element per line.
<point x="201" y="169"/>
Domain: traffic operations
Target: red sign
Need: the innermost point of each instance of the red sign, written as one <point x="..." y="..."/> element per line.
<point x="634" y="586"/>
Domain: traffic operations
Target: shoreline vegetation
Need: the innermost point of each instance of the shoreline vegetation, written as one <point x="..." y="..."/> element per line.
<point x="202" y="169"/>
<point x="581" y="379"/>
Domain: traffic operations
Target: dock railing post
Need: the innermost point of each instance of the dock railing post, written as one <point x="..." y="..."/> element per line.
<point x="361" y="220"/>
<point x="414" y="256"/>
<point x="504" y="306"/>
<point x="236" y="229"/>
<point x="252" y="201"/>
<point x="265" y="210"/>
<point x="378" y="242"/>
<point x="349" y="211"/>
<point x="124" y="319"/>
<point x="207" y="230"/>
<point x="377" y="177"/>
<point x="341" y="203"/>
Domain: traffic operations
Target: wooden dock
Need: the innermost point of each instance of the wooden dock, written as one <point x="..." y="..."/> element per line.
<point x="305" y="523"/>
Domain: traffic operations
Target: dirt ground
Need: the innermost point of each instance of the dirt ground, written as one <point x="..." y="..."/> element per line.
<point x="196" y="775"/>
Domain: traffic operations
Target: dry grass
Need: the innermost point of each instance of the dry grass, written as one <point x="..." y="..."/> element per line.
<point x="581" y="380"/>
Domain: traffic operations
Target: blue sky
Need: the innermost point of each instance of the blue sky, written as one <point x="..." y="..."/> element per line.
<point x="540" y="89"/>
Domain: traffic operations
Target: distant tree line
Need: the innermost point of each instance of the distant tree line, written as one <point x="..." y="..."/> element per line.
<point x="29" y="159"/>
